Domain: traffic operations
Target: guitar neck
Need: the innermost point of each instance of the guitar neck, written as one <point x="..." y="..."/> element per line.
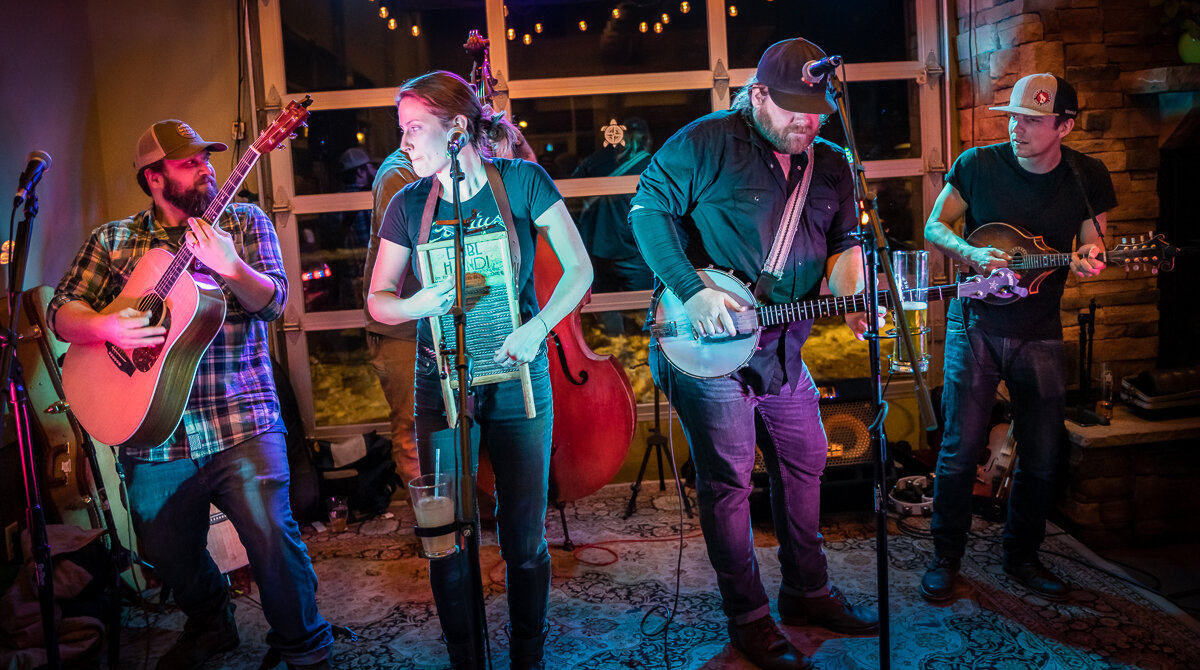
<point x="773" y="315"/>
<point x="183" y="258"/>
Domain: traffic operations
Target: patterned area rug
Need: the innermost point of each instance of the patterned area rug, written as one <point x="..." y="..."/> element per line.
<point x="374" y="582"/>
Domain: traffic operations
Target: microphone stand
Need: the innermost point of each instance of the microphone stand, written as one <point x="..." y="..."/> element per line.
<point x="467" y="513"/>
<point x="877" y="254"/>
<point x="18" y="400"/>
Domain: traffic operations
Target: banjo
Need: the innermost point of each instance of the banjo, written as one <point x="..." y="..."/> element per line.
<point x="714" y="356"/>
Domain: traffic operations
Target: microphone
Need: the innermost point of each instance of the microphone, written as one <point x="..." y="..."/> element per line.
<point x="815" y="70"/>
<point x="458" y="140"/>
<point x="39" y="162"/>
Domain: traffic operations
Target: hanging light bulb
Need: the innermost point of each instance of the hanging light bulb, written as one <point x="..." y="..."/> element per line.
<point x="537" y="28"/>
<point x="383" y="11"/>
<point x="392" y="23"/>
<point x="416" y="31"/>
<point x="523" y="123"/>
<point x="733" y="10"/>
<point x="510" y="34"/>
<point x="616" y="12"/>
<point x="643" y="27"/>
<point x="527" y="39"/>
<point x="658" y="27"/>
<point x="685" y="7"/>
<point x="361" y="137"/>
<point x="666" y="18"/>
<point x="583" y="26"/>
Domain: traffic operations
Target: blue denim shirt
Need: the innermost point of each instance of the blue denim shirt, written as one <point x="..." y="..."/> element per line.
<point x="714" y="195"/>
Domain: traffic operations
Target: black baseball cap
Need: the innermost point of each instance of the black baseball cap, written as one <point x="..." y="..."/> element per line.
<point x="781" y="70"/>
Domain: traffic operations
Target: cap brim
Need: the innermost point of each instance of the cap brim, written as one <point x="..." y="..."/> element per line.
<point x="1013" y="109"/>
<point x="802" y="103"/>
<point x="195" y="148"/>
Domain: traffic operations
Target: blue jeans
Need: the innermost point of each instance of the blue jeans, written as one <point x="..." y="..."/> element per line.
<point x="520" y="453"/>
<point x="723" y="421"/>
<point x="1033" y="370"/>
<point x="249" y="482"/>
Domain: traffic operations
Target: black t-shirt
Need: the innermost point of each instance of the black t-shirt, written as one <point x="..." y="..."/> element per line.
<point x="530" y="193"/>
<point x="997" y="189"/>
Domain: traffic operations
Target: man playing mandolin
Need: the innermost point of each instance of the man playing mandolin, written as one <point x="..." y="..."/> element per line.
<point x="229" y="447"/>
<point x="1032" y="182"/>
<point x="717" y="192"/>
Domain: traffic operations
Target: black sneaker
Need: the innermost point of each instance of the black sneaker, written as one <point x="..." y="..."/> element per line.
<point x="762" y="643"/>
<point x="202" y="638"/>
<point x="1037" y="578"/>
<point x="937" y="584"/>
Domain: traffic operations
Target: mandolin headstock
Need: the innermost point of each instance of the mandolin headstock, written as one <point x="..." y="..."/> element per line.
<point x="1150" y="253"/>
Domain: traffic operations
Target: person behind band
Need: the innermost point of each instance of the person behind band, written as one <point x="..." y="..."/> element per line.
<point x="1027" y="181"/>
<point x="722" y="183"/>
<point x="229" y="448"/>
<point x="429" y="108"/>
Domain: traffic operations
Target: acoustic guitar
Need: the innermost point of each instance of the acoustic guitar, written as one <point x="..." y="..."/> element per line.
<point x="136" y="398"/>
<point x="711" y="356"/>
<point x="1033" y="259"/>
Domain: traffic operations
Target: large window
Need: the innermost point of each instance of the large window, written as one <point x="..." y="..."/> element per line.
<point x="596" y="86"/>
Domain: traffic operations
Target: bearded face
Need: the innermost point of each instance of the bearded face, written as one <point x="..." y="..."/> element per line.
<point x="192" y="198"/>
<point x="788" y="132"/>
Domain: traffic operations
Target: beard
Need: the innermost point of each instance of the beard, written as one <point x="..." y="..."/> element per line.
<point x="192" y="200"/>
<point x="783" y="138"/>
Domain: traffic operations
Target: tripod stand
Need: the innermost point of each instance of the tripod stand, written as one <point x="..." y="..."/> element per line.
<point x="656" y="443"/>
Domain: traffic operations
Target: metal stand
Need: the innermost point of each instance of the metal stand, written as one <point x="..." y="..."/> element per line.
<point x="467" y="512"/>
<point x="657" y="444"/>
<point x="18" y="402"/>
<point x="877" y="255"/>
<point x="1080" y="413"/>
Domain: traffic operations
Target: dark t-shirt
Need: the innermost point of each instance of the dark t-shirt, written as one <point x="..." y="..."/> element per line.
<point x="997" y="189"/>
<point x="530" y="193"/>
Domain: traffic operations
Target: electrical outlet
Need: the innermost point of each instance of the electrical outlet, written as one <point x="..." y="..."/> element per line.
<point x="12" y="542"/>
<point x="239" y="131"/>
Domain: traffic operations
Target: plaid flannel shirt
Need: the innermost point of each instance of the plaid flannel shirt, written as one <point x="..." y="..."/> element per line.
<point x="233" y="397"/>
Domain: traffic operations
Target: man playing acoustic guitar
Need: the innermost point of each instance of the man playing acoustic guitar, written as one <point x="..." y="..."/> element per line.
<point x="229" y="448"/>
<point x="1032" y="182"/>
<point x="717" y="192"/>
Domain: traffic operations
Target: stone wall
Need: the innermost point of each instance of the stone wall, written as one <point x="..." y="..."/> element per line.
<point x="1090" y="43"/>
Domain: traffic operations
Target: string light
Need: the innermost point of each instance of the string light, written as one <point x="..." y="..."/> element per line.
<point x="666" y="18"/>
<point x="510" y="34"/>
<point x="583" y="26"/>
<point x="361" y="137"/>
<point x="616" y="12"/>
<point x="383" y="11"/>
<point x="392" y="23"/>
<point x="685" y="7"/>
<point x="733" y="10"/>
<point x="527" y="39"/>
<point x="537" y="28"/>
<point x="416" y="31"/>
<point x="658" y="27"/>
<point x="523" y="123"/>
<point x="643" y="27"/>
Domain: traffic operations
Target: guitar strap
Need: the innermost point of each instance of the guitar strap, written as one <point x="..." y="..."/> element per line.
<point x="1088" y="203"/>
<point x="772" y="269"/>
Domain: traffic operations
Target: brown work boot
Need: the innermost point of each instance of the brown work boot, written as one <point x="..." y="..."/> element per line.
<point x="762" y="643"/>
<point x="831" y="611"/>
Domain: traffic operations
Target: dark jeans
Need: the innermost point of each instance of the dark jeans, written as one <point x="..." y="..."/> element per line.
<point x="520" y="453"/>
<point x="249" y="483"/>
<point x="976" y="362"/>
<point x="723" y="421"/>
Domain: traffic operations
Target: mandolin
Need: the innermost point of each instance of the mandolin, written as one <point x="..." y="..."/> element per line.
<point x="1033" y="259"/>
<point x="709" y="357"/>
<point x="136" y="398"/>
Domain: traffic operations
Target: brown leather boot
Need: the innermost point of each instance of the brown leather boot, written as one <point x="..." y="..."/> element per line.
<point x="762" y="643"/>
<point x="830" y="611"/>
